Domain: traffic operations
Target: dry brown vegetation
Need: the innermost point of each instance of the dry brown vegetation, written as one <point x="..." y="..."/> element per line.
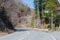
<point x="17" y="13"/>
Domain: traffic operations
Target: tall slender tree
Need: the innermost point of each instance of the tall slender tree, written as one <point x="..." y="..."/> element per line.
<point x="49" y="5"/>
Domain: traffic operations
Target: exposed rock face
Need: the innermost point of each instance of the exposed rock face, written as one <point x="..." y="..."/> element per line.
<point x="15" y="12"/>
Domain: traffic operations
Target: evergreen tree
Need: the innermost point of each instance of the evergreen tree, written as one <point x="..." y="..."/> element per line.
<point x="49" y="5"/>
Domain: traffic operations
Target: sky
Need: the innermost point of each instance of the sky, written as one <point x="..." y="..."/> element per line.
<point x="59" y="0"/>
<point x="30" y="3"/>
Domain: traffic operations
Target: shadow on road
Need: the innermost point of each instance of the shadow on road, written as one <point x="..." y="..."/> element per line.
<point x="18" y="30"/>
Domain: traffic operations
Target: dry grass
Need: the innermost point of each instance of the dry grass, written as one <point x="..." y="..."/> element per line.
<point x="3" y="33"/>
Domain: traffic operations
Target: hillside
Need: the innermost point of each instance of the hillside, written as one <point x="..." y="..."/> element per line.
<point x="15" y="12"/>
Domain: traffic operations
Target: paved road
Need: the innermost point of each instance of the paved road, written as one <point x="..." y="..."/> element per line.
<point x="56" y="35"/>
<point x="31" y="35"/>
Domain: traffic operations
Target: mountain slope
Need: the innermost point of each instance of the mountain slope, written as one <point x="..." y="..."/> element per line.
<point x="16" y="13"/>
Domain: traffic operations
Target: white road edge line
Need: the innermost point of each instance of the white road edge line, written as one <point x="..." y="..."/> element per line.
<point x="7" y="35"/>
<point x="52" y="36"/>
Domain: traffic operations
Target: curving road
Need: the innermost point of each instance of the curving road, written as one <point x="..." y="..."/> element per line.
<point x="24" y="34"/>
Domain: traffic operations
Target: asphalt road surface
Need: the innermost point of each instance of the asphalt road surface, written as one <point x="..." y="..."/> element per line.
<point x="24" y="34"/>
